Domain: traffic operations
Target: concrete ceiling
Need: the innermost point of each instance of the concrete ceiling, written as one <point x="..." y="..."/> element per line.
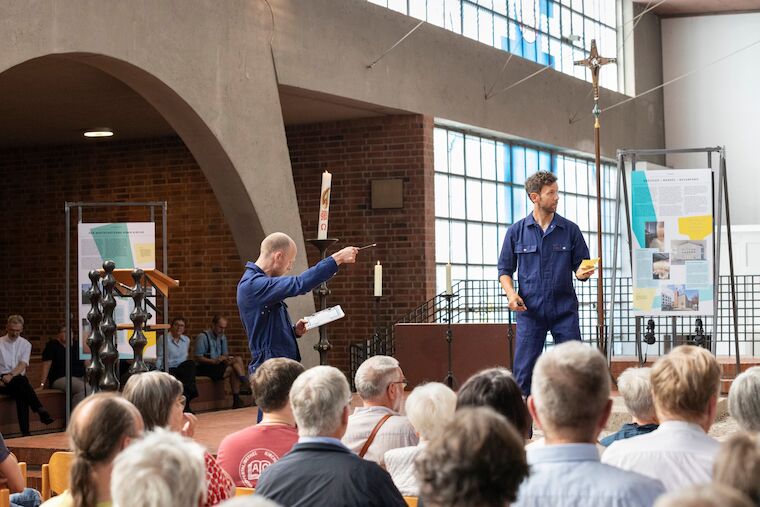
<point x="696" y="7"/>
<point x="52" y="100"/>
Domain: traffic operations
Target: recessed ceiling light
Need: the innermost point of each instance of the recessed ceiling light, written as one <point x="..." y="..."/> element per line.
<point x="99" y="132"/>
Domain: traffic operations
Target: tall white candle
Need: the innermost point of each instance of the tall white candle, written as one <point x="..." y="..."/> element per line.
<point x="324" y="205"/>
<point x="378" y="279"/>
<point x="449" y="290"/>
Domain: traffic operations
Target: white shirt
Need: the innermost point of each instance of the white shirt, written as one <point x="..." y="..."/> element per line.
<point x="396" y="432"/>
<point x="13" y="352"/>
<point x="400" y="464"/>
<point x="678" y="453"/>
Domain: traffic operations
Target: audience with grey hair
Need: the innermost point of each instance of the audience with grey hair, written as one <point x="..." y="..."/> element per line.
<point x="162" y="469"/>
<point x="737" y="464"/>
<point x="381" y="384"/>
<point x="744" y="399"/>
<point x="635" y="385"/>
<point x="323" y="471"/>
<point x="570" y="401"/>
<point x="708" y="495"/>
<point x="429" y="407"/>
<point x="319" y="397"/>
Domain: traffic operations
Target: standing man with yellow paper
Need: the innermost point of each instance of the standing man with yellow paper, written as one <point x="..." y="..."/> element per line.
<point x="545" y="249"/>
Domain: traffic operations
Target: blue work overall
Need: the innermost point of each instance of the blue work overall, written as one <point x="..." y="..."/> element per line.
<point x="545" y="262"/>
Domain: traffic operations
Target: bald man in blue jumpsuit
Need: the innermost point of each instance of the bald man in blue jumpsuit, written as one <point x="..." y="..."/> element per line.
<point x="545" y="249"/>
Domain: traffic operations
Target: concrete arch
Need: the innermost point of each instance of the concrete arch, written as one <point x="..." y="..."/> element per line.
<point x="207" y="69"/>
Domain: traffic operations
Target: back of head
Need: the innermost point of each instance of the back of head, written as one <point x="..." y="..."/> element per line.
<point x="709" y="495"/>
<point x="496" y="388"/>
<point x="271" y="382"/>
<point x="738" y="464"/>
<point x="635" y="385"/>
<point x="744" y="399"/>
<point x="97" y="432"/>
<point x="275" y="242"/>
<point x="374" y="375"/>
<point x="478" y="459"/>
<point x="429" y="407"/>
<point x="683" y="381"/>
<point x="154" y="394"/>
<point x="571" y="387"/>
<point x="162" y="469"/>
<point x="318" y="397"/>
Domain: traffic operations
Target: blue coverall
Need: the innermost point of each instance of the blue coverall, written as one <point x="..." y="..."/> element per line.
<point x="545" y="262"/>
<point x="264" y="313"/>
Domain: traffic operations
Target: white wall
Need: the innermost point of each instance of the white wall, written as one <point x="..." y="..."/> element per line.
<point x="719" y="105"/>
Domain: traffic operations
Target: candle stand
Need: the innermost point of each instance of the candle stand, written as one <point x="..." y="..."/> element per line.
<point x="449" y="338"/>
<point x="323" y="346"/>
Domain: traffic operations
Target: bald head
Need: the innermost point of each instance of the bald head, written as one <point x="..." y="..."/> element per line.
<point x="276" y="242"/>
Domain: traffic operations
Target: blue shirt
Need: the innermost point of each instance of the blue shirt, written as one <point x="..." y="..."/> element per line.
<point x="176" y="353"/>
<point x="570" y="475"/>
<point x="209" y="345"/>
<point x="545" y="262"/>
<point x="628" y="430"/>
<point x="265" y="314"/>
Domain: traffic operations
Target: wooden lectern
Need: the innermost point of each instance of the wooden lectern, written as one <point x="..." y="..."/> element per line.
<point x="158" y="280"/>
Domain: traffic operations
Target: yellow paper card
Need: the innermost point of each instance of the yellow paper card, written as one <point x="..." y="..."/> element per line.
<point x="587" y="264"/>
<point x="695" y="227"/>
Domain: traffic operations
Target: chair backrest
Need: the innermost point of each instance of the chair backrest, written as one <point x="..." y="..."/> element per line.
<point x="411" y="501"/>
<point x="244" y="491"/>
<point x="5" y="497"/>
<point x="55" y="474"/>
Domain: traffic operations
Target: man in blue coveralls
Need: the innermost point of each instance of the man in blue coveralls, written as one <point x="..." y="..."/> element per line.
<point x="263" y="287"/>
<point x="546" y="250"/>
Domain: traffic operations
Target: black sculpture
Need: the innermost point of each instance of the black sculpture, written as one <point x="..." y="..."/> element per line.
<point x="649" y="337"/>
<point x="109" y="354"/>
<point x="95" y="340"/>
<point x="138" y="317"/>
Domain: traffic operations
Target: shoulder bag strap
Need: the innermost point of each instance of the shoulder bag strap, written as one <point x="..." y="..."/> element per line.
<point x="371" y="437"/>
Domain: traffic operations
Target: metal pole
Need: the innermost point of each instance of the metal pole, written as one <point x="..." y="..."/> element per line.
<point x="734" y="306"/>
<point x="600" y="329"/>
<point x="611" y="335"/>
<point x="165" y="266"/>
<point x="68" y="311"/>
<point x="717" y="210"/>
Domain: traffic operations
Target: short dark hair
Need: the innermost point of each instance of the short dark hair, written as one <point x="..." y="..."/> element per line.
<point x="538" y="181"/>
<point x="216" y="318"/>
<point x="477" y="459"/>
<point x="177" y="319"/>
<point x="496" y="388"/>
<point x="271" y="382"/>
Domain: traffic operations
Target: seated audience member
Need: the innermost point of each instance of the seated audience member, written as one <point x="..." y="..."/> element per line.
<point x="180" y="366"/>
<point x="54" y="366"/>
<point x="214" y="360"/>
<point x="377" y="426"/>
<point x="11" y="478"/>
<point x="321" y="470"/>
<point x="707" y="495"/>
<point x="161" y="469"/>
<point x="429" y="407"/>
<point x="679" y="453"/>
<point x="158" y="397"/>
<point x="15" y="352"/>
<point x="744" y="399"/>
<point x="636" y="388"/>
<point x="101" y="427"/>
<point x="737" y="464"/>
<point x="477" y="460"/>
<point x="496" y="388"/>
<point x="570" y="401"/>
<point x="246" y="453"/>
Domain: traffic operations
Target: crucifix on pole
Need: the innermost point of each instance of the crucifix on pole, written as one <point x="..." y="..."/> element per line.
<point x="594" y="62"/>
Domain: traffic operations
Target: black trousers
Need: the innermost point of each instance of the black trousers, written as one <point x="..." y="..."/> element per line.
<point x="185" y="373"/>
<point x="23" y="394"/>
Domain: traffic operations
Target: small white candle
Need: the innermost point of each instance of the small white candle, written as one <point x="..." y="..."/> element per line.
<point x="378" y="279"/>
<point x="449" y="290"/>
<point x="324" y="205"/>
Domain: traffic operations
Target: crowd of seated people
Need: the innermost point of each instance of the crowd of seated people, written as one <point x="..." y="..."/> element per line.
<point x="447" y="449"/>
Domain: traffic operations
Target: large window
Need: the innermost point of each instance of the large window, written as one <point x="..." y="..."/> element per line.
<point x="479" y="193"/>
<point x="550" y="32"/>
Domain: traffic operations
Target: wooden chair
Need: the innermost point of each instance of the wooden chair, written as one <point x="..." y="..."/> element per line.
<point x="238" y="491"/>
<point x="411" y="501"/>
<point x="55" y="474"/>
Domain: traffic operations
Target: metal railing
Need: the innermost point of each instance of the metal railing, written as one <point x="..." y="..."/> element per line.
<point x="483" y="301"/>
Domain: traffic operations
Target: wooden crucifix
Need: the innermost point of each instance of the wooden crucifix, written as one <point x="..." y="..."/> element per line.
<point x="594" y="62"/>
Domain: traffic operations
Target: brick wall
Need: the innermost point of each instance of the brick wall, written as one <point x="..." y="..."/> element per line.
<point x="37" y="182"/>
<point x="355" y="152"/>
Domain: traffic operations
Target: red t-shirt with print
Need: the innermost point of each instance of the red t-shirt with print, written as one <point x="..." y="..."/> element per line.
<point x="246" y="453"/>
